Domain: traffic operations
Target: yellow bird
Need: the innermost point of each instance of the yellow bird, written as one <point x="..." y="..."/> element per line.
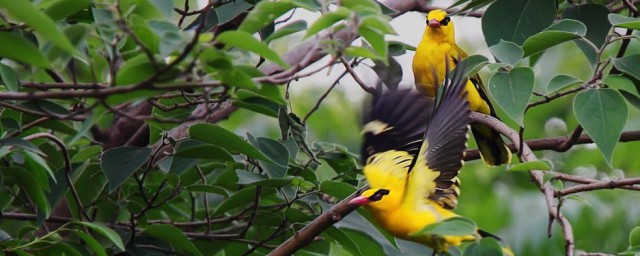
<point x="412" y="174"/>
<point x="437" y="49"/>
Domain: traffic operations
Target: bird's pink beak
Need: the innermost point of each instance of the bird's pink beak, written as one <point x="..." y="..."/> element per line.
<point x="361" y="200"/>
<point x="434" y="23"/>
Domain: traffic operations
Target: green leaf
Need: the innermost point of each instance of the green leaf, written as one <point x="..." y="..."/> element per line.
<point x="60" y="9"/>
<point x="623" y="21"/>
<point x="263" y="13"/>
<point x="578" y="198"/>
<point x="375" y="39"/>
<point x="28" y="184"/>
<point x="24" y="10"/>
<point x="516" y="20"/>
<point x="293" y="27"/>
<point x="21" y="143"/>
<point x="91" y="242"/>
<point x="565" y="30"/>
<point x="560" y="82"/>
<point x="512" y="91"/>
<point x="456" y="226"/>
<point x="327" y="20"/>
<point x="594" y="17"/>
<point x="484" y="247"/>
<point x="86" y="153"/>
<point x="20" y="49"/>
<point x="172" y="236"/>
<point x="118" y="164"/>
<point x="277" y="152"/>
<point x="247" y="42"/>
<point x="631" y="98"/>
<point x="238" y="199"/>
<point x="337" y="189"/>
<point x="230" y="11"/>
<point x="629" y="65"/>
<point x="390" y="73"/>
<point x="541" y="165"/>
<point x="210" y="152"/>
<point x="507" y="52"/>
<point x="472" y="64"/>
<point x="9" y="77"/>
<point x="225" y="139"/>
<point x="603" y="114"/>
<point x="376" y="22"/>
<point x="105" y="231"/>
<point x="342" y="239"/>
<point x="620" y="82"/>
<point x="634" y="237"/>
<point x="207" y="189"/>
<point x="135" y="70"/>
<point x="359" y="51"/>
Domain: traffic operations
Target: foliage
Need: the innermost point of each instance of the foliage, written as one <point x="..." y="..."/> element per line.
<point x="108" y="141"/>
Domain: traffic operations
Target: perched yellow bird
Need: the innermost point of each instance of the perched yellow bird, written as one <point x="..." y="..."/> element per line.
<point x="437" y="49"/>
<point x="412" y="174"/>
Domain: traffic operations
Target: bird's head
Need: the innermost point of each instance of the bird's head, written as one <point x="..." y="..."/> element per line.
<point x="438" y="20"/>
<point x="370" y="196"/>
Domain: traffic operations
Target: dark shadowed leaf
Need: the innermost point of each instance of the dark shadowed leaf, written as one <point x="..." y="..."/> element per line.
<point x="105" y="231"/>
<point x="507" y="52"/>
<point x="172" y="236"/>
<point x="631" y="98"/>
<point x="515" y="20"/>
<point x="342" y="239"/>
<point x="512" y="91"/>
<point x="21" y="143"/>
<point x="210" y="152"/>
<point x="91" y="242"/>
<point x="238" y="199"/>
<point x="9" y="77"/>
<point x="29" y="184"/>
<point x="390" y="74"/>
<point x="225" y="139"/>
<point x="602" y="113"/>
<point x="118" y="164"/>
<point x="20" y="49"/>
<point x="594" y="17"/>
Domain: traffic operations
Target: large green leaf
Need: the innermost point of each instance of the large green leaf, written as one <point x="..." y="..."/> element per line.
<point x="105" y="231"/>
<point x="560" y="82"/>
<point x="91" y="242"/>
<point x="238" y="199"/>
<point x="9" y="77"/>
<point x="60" y="9"/>
<point x="247" y="42"/>
<point x="327" y="20"/>
<point x="118" y="164"/>
<point x="20" y="49"/>
<point x="507" y="52"/>
<point x="473" y="64"/>
<point x="602" y="113"/>
<point x="225" y="139"/>
<point x="24" y="11"/>
<point x="288" y="29"/>
<point x="263" y="13"/>
<point x="622" y="21"/>
<point x="565" y="30"/>
<point x="337" y="189"/>
<point x="634" y="237"/>
<point x="277" y="152"/>
<point x="629" y="65"/>
<point x="172" y="236"/>
<point x="512" y="91"/>
<point x="515" y="20"/>
<point x="342" y="239"/>
<point x="542" y="165"/>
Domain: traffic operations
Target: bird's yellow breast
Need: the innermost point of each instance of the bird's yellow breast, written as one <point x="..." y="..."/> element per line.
<point x="429" y="64"/>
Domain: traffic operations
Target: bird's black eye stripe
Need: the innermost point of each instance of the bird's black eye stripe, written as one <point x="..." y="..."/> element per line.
<point x="445" y="21"/>
<point x="378" y="195"/>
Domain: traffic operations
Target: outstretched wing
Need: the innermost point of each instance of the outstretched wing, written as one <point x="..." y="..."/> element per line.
<point x="434" y="173"/>
<point x="396" y="120"/>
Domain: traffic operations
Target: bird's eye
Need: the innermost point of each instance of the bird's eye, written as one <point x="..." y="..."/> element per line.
<point x="445" y="21"/>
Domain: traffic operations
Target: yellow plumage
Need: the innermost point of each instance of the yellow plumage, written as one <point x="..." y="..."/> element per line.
<point x="412" y="173"/>
<point x="436" y="51"/>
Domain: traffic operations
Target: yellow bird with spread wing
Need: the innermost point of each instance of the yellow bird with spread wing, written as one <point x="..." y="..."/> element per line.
<point x="438" y="49"/>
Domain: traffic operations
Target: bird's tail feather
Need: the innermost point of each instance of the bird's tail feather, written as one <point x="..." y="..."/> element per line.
<point x="492" y="148"/>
